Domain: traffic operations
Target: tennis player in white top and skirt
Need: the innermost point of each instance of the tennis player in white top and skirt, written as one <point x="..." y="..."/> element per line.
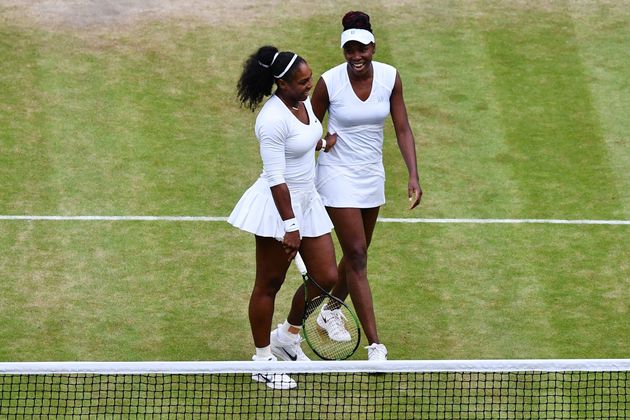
<point x="282" y="208"/>
<point x="358" y="96"/>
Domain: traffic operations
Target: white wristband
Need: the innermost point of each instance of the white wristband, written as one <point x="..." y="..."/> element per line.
<point x="291" y="225"/>
<point x="323" y="144"/>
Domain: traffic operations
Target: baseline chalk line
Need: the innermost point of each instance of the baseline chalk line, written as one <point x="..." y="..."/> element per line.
<point x="381" y="219"/>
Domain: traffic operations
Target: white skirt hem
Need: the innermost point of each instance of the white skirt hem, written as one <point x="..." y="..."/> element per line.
<point x="256" y="213"/>
<point x="351" y="187"/>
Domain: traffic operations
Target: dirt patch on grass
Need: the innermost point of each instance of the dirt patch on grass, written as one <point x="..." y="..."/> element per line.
<point x="106" y="13"/>
<point x="92" y="14"/>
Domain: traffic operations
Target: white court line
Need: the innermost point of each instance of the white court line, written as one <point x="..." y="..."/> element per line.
<point x="510" y="221"/>
<point x="121" y="218"/>
<point x="381" y="219"/>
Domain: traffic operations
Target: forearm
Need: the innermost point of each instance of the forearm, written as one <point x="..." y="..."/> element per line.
<point x="282" y="198"/>
<point x="291" y="240"/>
<point x="407" y="146"/>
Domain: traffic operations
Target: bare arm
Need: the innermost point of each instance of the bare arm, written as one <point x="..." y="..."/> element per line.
<point x="406" y="142"/>
<point x="320" y="100"/>
<point x="320" y="103"/>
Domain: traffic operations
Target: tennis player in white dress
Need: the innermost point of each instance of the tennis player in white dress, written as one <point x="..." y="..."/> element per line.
<point x="359" y="95"/>
<point x="282" y="208"/>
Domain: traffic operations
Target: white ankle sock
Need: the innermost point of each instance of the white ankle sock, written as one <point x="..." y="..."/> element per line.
<point x="263" y="352"/>
<point x="284" y="330"/>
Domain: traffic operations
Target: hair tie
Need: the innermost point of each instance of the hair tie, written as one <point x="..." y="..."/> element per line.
<point x="260" y="63"/>
<point x="287" y="67"/>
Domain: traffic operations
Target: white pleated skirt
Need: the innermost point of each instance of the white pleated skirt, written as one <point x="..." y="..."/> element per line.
<point x="361" y="186"/>
<point x="256" y="212"/>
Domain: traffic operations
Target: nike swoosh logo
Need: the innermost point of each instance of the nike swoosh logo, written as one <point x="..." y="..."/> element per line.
<point x="266" y="378"/>
<point x="291" y="356"/>
<point x="324" y="319"/>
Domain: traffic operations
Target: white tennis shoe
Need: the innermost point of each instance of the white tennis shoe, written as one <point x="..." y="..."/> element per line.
<point x="377" y="352"/>
<point x="333" y="322"/>
<point x="286" y="348"/>
<point x="273" y="380"/>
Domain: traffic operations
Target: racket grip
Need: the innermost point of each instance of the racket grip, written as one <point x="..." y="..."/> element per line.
<point x="299" y="262"/>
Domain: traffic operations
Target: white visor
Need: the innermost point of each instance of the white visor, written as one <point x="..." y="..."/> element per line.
<point x="360" y="35"/>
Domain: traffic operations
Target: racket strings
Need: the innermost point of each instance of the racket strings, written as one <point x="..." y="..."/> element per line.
<point x="333" y="304"/>
<point x="319" y="337"/>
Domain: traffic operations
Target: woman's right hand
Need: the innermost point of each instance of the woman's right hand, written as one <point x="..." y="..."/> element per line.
<point x="291" y="243"/>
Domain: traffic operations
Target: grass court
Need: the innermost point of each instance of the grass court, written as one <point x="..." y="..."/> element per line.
<point x="519" y="110"/>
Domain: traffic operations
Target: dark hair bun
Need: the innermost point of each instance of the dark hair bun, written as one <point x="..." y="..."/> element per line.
<point x="356" y="20"/>
<point x="265" y="55"/>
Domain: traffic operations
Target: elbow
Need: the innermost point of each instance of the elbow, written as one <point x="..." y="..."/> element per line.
<point x="274" y="180"/>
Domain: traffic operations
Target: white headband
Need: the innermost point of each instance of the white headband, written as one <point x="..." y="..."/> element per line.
<point x="287" y="67"/>
<point x="361" y="35"/>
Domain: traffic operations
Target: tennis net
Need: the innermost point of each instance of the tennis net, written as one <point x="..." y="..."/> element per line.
<point x="490" y="389"/>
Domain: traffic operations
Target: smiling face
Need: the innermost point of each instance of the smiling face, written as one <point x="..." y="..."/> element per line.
<point x="300" y="84"/>
<point x="359" y="57"/>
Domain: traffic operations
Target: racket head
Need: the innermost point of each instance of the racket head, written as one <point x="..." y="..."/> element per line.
<point x="316" y="336"/>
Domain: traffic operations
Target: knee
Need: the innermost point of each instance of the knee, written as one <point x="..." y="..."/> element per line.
<point x="356" y="257"/>
<point x="268" y="286"/>
<point x="328" y="278"/>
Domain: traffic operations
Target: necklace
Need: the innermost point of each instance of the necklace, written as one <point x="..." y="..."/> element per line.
<point x="295" y="108"/>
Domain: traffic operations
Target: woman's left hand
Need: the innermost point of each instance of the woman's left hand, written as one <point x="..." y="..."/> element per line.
<point x="331" y="139"/>
<point x="414" y="192"/>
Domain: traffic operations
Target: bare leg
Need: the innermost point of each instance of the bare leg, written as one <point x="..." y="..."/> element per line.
<point x="354" y="229"/>
<point x="271" y="269"/>
<point x="319" y="257"/>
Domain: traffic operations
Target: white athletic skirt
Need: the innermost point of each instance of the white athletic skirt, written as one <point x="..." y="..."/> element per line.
<point x="351" y="186"/>
<point x="256" y="212"/>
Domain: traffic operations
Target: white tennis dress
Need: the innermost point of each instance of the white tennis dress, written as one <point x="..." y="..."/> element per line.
<point x="287" y="149"/>
<point x="351" y="174"/>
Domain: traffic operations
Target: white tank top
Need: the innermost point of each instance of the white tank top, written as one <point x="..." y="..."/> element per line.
<point x="358" y="124"/>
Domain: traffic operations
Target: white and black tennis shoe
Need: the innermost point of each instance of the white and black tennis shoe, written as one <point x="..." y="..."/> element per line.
<point x="334" y="323"/>
<point x="377" y="352"/>
<point x="273" y="380"/>
<point x="287" y="348"/>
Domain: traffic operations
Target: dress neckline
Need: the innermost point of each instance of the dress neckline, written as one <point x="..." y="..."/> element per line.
<point x="347" y="73"/>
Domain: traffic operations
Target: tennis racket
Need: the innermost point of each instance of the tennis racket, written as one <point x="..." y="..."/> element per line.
<point x="333" y="334"/>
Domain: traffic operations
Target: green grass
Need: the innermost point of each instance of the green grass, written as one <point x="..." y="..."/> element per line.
<point x="519" y="111"/>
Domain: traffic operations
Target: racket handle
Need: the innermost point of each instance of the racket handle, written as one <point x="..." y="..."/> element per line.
<point x="299" y="262"/>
